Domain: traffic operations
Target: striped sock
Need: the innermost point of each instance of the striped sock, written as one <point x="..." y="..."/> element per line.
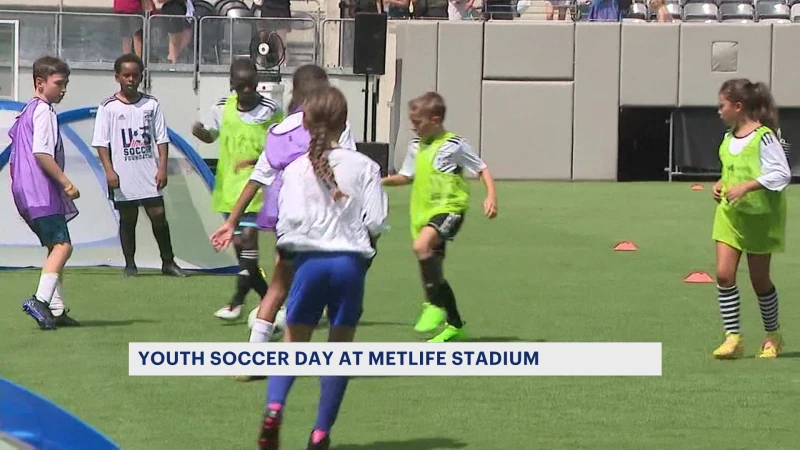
<point x="768" y="304"/>
<point x="729" y="308"/>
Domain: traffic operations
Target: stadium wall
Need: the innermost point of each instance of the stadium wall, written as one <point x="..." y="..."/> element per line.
<point x="543" y="100"/>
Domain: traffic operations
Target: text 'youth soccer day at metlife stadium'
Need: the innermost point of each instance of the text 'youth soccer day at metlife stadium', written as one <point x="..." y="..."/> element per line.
<point x="395" y="359"/>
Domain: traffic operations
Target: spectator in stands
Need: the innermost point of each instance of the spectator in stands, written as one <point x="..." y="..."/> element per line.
<point x="179" y="30"/>
<point x="498" y="10"/>
<point x="461" y="9"/>
<point x="561" y="7"/>
<point x="397" y="9"/>
<point x="128" y="24"/>
<point x="604" y="11"/>
<point x="431" y="9"/>
<point x="660" y="9"/>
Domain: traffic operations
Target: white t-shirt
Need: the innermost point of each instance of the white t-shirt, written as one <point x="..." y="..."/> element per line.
<point x="453" y="156"/>
<point x="264" y="174"/>
<point x="260" y="114"/>
<point x="45" y="130"/>
<point x="775" y="171"/>
<point x="309" y="219"/>
<point x="132" y="133"/>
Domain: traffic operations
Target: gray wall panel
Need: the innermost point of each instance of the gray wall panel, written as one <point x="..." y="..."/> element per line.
<point x="460" y="78"/>
<point x="785" y="64"/>
<point x="528" y="50"/>
<point x="750" y="57"/>
<point x="596" y="111"/>
<point x="649" y="64"/>
<point x="527" y="129"/>
<point x="418" y="74"/>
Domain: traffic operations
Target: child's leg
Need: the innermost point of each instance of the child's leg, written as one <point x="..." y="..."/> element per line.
<point x="759" y="266"/>
<point x="128" y="217"/>
<point x="248" y="262"/>
<point x="437" y="289"/>
<point x="729" y="302"/>
<point x="272" y="302"/>
<point x="158" y="219"/>
<point x="57" y="257"/>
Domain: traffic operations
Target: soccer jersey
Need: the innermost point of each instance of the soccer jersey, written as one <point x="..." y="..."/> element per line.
<point x="132" y="133"/>
<point x="266" y="111"/>
<point x="452" y="156"/>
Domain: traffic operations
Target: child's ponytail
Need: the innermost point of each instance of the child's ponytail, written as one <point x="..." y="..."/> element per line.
<point x="763" y="107"/>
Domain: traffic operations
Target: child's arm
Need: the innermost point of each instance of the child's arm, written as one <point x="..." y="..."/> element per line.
<point x="207" y="132"/>
<point x="48" y="164"/>
<point x="45" y="139"/>
<point x="101" y="141"/>
<point x="470" y="161"/>
<point x="775" y="171"/>
<point x="162" y="141"/>
<point x="406" y="173"/>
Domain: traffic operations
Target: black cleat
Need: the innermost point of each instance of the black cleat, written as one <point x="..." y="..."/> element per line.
<point x="130" y="271"/>
<point x="324" y="444"/>
<point x="172" y="270"/>
<point x="66" y="321"/>
<point x="40" y="313"/>
<point x="270" y="429"/>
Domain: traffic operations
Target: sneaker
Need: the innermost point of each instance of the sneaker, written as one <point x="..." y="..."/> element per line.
<point x="229" y="312"/>
<point x="172" y="270"/>
<point x="450" y="333"/>
<point x="772" y="346"/>
<point x="319" y="440"/>
<point x="731" y="348"/>
<point x="270" y="429"/>
<point x="40" y="313"/>
<point x="63" y="320"/>
<point x="130" y="271"/>
<point x="431" y="318"/>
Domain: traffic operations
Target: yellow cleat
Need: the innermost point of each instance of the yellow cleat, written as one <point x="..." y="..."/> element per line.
<point x="772" y="346"/>
<point x="732" y="348"/>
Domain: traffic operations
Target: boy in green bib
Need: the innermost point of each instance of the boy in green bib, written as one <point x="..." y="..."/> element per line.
<point x="751" y="212"/>
<point x="240" y="123"/>
<point x="440" y="195"/>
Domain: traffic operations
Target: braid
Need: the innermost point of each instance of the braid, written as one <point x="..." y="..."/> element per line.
<point x="319" y="162"/>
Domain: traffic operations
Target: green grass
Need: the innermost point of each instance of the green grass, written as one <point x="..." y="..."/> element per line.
<point x="542" y="271"/>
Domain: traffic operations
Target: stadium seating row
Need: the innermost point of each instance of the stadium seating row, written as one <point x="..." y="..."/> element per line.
<point x="725" y="12"/>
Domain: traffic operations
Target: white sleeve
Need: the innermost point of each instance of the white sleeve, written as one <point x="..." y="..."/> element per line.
<point x="45" y="135"/>
<point x="376" y="202"/>
<point x="160" y="126"/>
<point x="346" y="140"/>
<point x="466" y="158"/>
<point x="213" y="120"/>
<point x="407" y="168"/>
<point x="102" y="132"/>
<point x="775" y="171"/>
<point x="263" y="173"/>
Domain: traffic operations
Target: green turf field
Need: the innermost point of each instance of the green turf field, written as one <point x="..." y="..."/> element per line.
<point x="543" y="271"/>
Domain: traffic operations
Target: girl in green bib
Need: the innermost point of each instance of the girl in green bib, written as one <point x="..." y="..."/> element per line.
<point x="751" y="212"/>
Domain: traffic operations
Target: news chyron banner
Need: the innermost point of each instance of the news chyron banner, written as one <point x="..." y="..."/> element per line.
<point x="394" y="359"/>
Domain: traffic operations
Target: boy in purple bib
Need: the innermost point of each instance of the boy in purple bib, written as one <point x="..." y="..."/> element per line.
<point x="42" y="192"/>
<point x="286" y="141"/>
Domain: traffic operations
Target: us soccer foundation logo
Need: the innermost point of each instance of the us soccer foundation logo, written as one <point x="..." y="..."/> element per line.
<point x="137" y="143"/>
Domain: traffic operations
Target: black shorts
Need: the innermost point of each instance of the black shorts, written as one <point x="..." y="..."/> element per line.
<point x="130" y="26"/>
<point x="51" y="230"/>
<point x="447" y="225"/>
<point x="275" y="11"/>
<point x="176" y="24"/>
<point x="146" y="202"/>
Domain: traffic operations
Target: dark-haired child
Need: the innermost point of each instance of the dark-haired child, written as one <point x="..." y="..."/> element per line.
<point x="751" y="212"/>
<point x="129" y="129"/>
<point x="42" y="192"/>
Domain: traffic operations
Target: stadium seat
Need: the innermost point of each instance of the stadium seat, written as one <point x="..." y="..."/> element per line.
<point x="637" y="13"/>
<point x="795" y="14"/>
<point x="736" y="2"/>
<point x="700" y="12"/>
<point x="736" y="12"/>
<point x="772" y="12"/>
<point x="675" y="10"/>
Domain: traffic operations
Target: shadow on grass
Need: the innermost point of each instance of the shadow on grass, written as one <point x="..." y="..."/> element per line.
<point x="501" y="339"/>
<point x="410" y="444"/>
<point x="789" y="355"/>
<point x="110" y="323"/>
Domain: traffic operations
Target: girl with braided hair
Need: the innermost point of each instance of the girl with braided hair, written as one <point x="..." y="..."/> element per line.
<point x="332" y="208"/>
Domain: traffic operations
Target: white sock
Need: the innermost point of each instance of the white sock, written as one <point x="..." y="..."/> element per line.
<point x="261" y="332"/>
<point x="57" y="303"/>
<point x="47" y="287"/>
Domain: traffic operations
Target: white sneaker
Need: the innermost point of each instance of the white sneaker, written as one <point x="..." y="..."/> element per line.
<point x="229" y="313"/>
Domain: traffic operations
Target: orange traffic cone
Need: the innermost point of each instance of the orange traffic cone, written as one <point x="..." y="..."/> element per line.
<point x="697" y="187"/>
<point x="698" y="277"/>
<point x="625" y="246"/>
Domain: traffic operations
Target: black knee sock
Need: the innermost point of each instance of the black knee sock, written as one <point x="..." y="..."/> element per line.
<point x="243" y="279"/>
<point x="448" y="299"/>
<point x="127" y="237"/>
<point x="257" y="282"/>
<point x="161" y="233"/>
<point x="431" y="269"/>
